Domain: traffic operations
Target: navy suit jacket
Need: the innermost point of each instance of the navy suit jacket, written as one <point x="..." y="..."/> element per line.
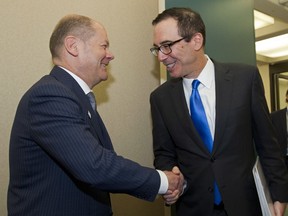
<point x="279" y="121"/>
<point x="242" y="120"/>
<point x="61" y="158"/>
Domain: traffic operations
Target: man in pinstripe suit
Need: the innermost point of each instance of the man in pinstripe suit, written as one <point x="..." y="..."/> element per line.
<point x="61" y="157"/>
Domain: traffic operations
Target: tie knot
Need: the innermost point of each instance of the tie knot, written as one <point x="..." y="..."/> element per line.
<point x="195" y="84"/>
<point x="92" y="99"/>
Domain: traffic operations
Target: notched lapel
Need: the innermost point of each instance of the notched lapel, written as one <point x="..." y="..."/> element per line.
<point x="182" y="113"/>
<point x="94" y="121"/>
<point x="224" y="90"/>
<point x="67" y="80"/>
<point x="179" y="101"/>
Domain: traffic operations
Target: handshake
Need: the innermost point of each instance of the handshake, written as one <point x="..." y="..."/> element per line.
<point x="175" y="187"/>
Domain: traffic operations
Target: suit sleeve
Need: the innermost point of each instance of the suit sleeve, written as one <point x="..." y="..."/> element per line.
<point x="279" y="122"/>
<point x="59" y="126"/>
<point x="267" y="145"/>
<point x="163" y="146"/>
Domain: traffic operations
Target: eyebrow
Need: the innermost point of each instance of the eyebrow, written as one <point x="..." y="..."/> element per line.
<point x="163" y="42"/>
<point x="106" y="43"/>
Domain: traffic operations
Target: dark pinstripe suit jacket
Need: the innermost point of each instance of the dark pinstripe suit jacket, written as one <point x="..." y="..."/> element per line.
<point x="61" y="158"/>
<point x="242" y="124"/>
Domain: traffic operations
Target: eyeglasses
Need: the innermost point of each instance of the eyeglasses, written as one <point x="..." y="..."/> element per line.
<point x="164" y="48"/>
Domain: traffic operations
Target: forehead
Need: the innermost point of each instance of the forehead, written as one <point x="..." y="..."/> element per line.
<point x="166" y="30"/>
<point x="100" y="32"/>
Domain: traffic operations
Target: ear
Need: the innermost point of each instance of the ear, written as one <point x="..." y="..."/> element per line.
<point x="71" y="44"/>
<point x="198" y="41"/>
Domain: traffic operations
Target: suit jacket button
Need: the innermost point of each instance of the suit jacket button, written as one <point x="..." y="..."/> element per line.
<point x="212" y="159"/>
<point x="210" y="189"/>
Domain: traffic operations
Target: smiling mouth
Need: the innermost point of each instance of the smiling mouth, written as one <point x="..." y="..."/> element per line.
<point x="169" y="67"/>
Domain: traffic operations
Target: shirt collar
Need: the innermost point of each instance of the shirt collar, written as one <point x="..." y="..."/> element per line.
<point x="81" y="82"/>
<point x="206" y="76"/>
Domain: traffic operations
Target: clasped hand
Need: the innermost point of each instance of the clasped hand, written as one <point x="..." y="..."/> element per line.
<point x="175" y="188"/>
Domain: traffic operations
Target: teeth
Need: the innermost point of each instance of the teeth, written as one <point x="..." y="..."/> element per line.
<point x="170" y="65"/>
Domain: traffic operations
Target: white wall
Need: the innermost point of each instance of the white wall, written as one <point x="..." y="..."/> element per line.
<point x="25" y="28"/>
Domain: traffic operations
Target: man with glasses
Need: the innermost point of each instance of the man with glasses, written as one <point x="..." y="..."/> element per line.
<point x="208" y="120"/>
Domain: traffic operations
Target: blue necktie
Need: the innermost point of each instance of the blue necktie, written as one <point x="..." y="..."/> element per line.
<point x="199" y="119"/>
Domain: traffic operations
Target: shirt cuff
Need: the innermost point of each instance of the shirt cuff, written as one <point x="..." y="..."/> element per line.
<point x="163" y="183"/>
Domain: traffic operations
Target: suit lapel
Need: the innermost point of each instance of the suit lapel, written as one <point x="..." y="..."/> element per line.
<point x="224" y="90"/>
<point x="182" y="112"/>
<point x="98" y="128"/>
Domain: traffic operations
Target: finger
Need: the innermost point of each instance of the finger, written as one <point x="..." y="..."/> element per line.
<point x="171" y="195"/>
<point x="172" y="199"/>
<point x="170" y="202"/>
<point x="169" y="192"/>
<point x="176" y="170"/>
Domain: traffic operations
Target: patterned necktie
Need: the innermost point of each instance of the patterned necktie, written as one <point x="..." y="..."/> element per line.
<point x="92" y="100"/>
<point x="199" y="119"/>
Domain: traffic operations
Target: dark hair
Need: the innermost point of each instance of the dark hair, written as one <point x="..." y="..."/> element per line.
<point x="189" y="22"/>
<point x="287" y="96"/>
<point x="73" y="24"/>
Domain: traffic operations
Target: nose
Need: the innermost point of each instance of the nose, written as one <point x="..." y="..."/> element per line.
<point x="109" y="55"/>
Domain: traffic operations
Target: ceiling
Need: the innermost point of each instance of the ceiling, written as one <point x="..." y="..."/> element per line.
<point x="280" y="13"/>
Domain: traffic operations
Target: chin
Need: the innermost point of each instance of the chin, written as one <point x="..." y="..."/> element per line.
<point x="174" y="74"/>
<point x="104" y="78"/>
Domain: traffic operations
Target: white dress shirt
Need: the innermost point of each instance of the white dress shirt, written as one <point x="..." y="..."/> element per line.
<point x="207" y="92"/>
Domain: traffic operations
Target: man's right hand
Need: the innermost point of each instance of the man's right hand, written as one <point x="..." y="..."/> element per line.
<point x="175" y="188"/>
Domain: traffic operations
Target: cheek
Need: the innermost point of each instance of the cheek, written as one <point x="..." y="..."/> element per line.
<point x="186" y="57"/>
<point x="99" y="57"/>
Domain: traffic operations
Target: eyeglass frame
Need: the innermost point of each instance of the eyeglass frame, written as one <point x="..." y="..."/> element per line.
<point x="155" y="50"/>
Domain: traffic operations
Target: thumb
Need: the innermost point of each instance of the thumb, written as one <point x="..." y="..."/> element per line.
<point x="176" y="170"/>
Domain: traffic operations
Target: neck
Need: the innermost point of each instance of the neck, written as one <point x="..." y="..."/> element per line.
<point x="197" y="67"/>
